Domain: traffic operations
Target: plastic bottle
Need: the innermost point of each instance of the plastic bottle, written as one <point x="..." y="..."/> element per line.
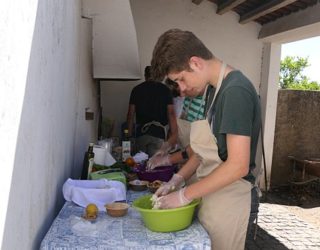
<point x="86" y="162"/>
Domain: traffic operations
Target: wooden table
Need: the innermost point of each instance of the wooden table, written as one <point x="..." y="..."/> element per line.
<point x="306" y="166"/>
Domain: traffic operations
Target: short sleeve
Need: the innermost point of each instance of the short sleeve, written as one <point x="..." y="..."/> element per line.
<point x="168" y="96"/>
<point x="133" y="97"/>
<point x="237" y="112"/>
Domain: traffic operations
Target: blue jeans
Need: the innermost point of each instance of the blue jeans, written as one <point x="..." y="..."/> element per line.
<point x="254" y="212"/>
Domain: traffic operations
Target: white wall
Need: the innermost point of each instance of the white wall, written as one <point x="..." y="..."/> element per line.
<point x="47" y="86"/>
<point x="86" y="130"/>
<point x="235" y="43"/>
<point x="114" y="36"/>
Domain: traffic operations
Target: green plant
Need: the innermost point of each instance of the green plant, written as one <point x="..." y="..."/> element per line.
<point x="291" y="74"/>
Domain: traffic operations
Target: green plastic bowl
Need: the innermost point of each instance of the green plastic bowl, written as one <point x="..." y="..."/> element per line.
<point x="164" y="220"/>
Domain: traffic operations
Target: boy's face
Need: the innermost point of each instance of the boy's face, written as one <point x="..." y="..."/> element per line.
<point x="191" y="83"/>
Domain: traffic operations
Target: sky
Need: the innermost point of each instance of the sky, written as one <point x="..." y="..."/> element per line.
<point x="306" y="48"/>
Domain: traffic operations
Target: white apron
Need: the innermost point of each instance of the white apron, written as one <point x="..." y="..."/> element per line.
<point x="165" y="128"/>
<point x="224" y="213"/>
<point x="184" y="128"/>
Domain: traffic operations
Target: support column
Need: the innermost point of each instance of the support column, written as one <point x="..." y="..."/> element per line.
<point x="270" y="69"/>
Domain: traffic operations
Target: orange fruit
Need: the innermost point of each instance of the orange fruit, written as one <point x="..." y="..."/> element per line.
<point x="130" y="161"/>
<point x="91" y="211"/>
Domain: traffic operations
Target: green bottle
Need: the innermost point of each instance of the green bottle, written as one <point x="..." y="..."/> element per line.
<point x="86" y="162"/>
<point x="126" y="146"/>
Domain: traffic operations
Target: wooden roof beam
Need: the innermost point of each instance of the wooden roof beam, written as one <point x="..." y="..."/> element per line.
<point x="264" y="9"/>
<point x="197" y="2"/>
<point x="296" y="26"/>
<point x="225" y="6"/>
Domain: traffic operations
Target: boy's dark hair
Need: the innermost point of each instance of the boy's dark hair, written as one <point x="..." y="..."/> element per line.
<point x="173" y="51"/>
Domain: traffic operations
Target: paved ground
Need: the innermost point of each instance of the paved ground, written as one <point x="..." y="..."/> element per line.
<point x="279" y="228"/>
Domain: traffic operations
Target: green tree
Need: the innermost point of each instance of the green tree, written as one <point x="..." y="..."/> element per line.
<point x="291" y="74"/>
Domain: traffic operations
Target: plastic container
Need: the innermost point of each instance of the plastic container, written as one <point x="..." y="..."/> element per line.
<point x="117" y="209"/>
<point x="99" y="155"/>
<point x="165" y="220"/>
<point x="137" y="185"/>
<point x="160" y="173"/>
<point x="109" y="174"/>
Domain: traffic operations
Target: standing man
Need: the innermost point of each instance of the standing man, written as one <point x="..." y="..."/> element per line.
<point x="156" y="126"/>
<point x="225" y="142"/>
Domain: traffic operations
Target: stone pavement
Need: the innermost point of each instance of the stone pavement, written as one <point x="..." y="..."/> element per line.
<point x="279" y="229"/>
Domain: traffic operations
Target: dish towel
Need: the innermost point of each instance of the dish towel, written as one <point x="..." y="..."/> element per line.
<point x="99" y="192"/>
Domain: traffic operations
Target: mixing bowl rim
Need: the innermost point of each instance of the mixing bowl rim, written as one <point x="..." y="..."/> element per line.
<point x="194" y="203"/>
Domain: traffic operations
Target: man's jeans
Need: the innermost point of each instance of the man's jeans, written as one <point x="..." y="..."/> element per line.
<point x="254" y="212"/>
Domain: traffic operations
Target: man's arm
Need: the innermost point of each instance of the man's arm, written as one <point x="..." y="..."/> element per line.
<point x="189" y="168"/>
<point x="234" y="168"/>
<point x="170" y="159"/>
<point x="130" y="117"/>
<point x="178" y="180"/>
<point x="178" y="157"/>
<point x="172" y="140"/>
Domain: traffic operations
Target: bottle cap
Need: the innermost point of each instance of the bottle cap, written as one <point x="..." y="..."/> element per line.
<point x="126" y="131"/>
<point x="91" y="144"/>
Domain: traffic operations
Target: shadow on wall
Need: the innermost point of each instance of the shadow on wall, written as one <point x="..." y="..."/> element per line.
<point x="44" y="154"/>
<point x="107" y="127"/>
<point x="297" y="131"/>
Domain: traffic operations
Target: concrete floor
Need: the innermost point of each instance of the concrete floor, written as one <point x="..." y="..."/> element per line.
<point x="279" y="227"/>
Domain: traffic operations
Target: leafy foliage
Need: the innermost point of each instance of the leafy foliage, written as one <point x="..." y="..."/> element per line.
<point x="291" y="74"/>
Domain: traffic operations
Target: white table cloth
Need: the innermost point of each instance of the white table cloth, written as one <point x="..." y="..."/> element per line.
<point x="121" y="233"/>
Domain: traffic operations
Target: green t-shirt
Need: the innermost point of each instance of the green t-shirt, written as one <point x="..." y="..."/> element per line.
<point x="236" y="111"/>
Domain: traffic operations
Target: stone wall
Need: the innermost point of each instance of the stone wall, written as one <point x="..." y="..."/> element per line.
<point x="297" y="131"/>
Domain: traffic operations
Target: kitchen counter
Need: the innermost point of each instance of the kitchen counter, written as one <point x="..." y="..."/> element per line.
<point x="128" y="232"/>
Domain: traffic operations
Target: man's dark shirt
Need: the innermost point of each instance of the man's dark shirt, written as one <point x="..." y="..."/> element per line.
<point x="151" y="100"/>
